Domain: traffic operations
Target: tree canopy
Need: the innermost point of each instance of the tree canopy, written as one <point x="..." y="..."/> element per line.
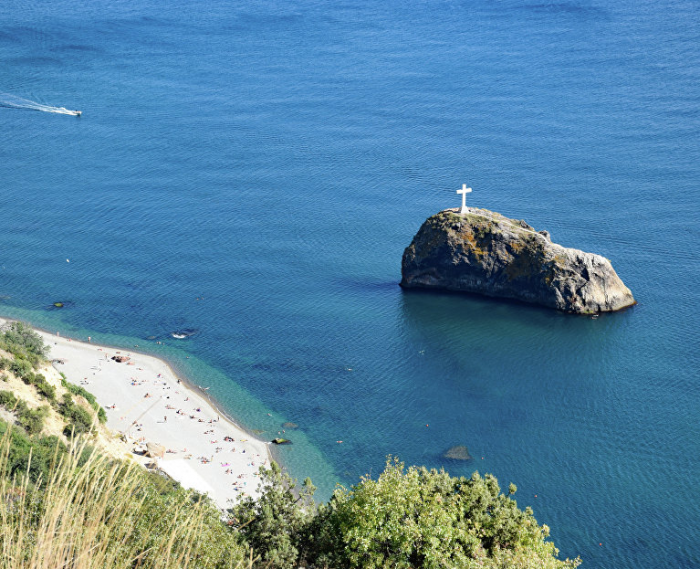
<point x="408" y="518"/>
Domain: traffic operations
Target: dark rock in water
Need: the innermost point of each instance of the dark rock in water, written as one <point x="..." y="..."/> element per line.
<point x="459" y="452"/>
<point x="280" y="441"/>
<point x="290" y="426"/>
<point x="60" y="305"/>
<point x="483" y="252"/>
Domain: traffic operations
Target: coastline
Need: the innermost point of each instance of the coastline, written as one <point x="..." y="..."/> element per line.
<point x="146" y="401"/>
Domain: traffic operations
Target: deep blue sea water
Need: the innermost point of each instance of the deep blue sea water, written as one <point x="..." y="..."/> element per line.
<point x="254" y="170"/>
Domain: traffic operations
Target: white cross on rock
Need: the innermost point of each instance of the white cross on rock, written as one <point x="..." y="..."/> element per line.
<point x="464" y="191"/>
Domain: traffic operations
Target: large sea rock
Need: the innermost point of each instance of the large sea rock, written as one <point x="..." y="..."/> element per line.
<point x="486" y="253"/>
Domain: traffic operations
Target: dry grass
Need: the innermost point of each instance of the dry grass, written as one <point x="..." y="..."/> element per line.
<point x="86" y="516"/>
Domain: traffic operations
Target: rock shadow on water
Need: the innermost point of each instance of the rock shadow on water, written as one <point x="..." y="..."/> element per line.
<point x="382" y="287"/>
<point x="480" y="301"/>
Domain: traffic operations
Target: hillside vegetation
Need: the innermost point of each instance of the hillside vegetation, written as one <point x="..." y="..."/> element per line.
<point x="66" y="502"/>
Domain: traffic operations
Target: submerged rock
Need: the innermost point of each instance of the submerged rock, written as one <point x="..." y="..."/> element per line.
<point x="290" y="426"/>
<point x="459" y="452"/>
<point x="486" y="253"/>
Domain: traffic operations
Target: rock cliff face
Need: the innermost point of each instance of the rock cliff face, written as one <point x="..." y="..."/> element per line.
<point x="483" y="252"/>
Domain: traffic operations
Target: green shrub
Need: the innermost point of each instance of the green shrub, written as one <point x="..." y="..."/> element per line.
<point x="66" y="404"/>
<point x="8" y="400"/>
<point x="33" y="419"/>
<point x="42" y="386"/>
<point x="21" y="406"/>
<point x="82" y="419"/>
<point x="79" y="419"/>
<point x="20" y="340"/>
<point x="21" y="368"/>
<point x="78" y="390"/>
<point x="89" y="397"/>
<point x="18" y="406"/>
<point x="43" y="452"/>
<point x="47" y="390"/>
<point x="274" y="524"/>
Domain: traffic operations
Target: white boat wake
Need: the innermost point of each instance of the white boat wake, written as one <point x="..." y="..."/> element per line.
<point x="13" y="102"/>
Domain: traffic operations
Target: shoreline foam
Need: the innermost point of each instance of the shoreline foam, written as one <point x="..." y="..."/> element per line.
<point x="148" y="402"/>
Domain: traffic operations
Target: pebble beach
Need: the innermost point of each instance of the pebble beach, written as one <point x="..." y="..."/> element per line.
<point x="148" y="404"/>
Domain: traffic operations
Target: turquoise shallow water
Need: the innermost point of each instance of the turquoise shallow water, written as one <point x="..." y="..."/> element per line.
<point x="274" y="159"/>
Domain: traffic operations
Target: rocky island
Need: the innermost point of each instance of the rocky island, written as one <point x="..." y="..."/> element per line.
<point x="483" y="252"/>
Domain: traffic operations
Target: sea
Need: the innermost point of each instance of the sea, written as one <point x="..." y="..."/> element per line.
<point x="249" y="173"/>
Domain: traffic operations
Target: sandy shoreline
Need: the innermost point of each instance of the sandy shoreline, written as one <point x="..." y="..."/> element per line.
<point x="148" y="403"/>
